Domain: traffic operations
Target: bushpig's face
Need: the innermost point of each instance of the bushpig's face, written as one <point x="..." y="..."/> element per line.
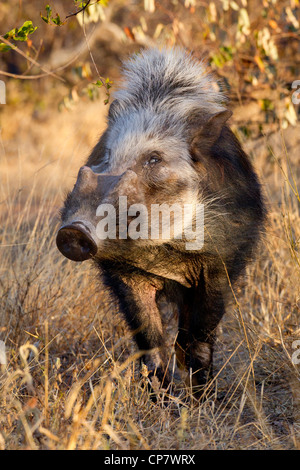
<point x="111" y="207"/>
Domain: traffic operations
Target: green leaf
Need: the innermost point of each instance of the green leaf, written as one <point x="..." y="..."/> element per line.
<point x="4" y="47"/>
<point x="25" y="30"/>
<point x="49" y="18"/>
<point x="57" y="20"/>
<point x="48" y="12"/>
<point x="10" y="33"/>
<point x="22" y="33"/>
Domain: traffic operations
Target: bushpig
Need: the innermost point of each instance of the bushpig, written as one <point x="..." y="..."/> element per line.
<point x="167" y="146"/>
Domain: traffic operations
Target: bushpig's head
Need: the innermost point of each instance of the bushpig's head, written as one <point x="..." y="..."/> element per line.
<point x="143" y="160"/>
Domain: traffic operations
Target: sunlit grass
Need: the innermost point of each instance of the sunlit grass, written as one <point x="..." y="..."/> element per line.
<point x="72" y="377"/>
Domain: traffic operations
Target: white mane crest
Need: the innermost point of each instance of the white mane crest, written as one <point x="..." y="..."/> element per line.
<point x="168" y="80"/>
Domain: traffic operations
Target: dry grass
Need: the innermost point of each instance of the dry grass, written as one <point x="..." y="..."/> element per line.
<point x="71" y="378"/>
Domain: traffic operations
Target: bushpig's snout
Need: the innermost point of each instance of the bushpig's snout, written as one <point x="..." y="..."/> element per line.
<point x="76" y="241"/>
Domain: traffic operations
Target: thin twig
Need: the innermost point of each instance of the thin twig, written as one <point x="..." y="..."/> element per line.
<point x="80" y="10"/>
<point x="90" y="52"/>
<point x="23" y="77"/>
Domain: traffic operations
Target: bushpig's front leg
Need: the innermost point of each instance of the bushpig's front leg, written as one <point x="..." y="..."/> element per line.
<point x="136" y="294"/>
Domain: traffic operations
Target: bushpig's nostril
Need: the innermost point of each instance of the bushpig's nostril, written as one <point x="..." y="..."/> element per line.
<point x="75" y="242"/>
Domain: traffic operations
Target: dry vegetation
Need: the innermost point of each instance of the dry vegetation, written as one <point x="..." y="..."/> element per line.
<point x="70" y="376"/>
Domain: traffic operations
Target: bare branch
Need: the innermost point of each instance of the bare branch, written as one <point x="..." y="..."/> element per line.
<point x="34" y="62"/>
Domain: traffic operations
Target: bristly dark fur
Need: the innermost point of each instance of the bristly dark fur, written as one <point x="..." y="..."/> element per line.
<point x="168" y="106"/>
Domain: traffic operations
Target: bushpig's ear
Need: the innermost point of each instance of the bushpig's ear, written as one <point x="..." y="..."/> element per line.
<point x="208" y="133"/>
<point x="113" y="110"/>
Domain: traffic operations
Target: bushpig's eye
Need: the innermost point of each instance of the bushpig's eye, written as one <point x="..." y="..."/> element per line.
<point x="152" y="160"/>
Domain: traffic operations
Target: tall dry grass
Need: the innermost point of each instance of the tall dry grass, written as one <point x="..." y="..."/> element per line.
<point x="70" y="376"/>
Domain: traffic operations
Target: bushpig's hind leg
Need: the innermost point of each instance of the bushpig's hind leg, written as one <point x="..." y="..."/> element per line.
<point x="207" y="311"/>
<point x="200" y="313"/>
